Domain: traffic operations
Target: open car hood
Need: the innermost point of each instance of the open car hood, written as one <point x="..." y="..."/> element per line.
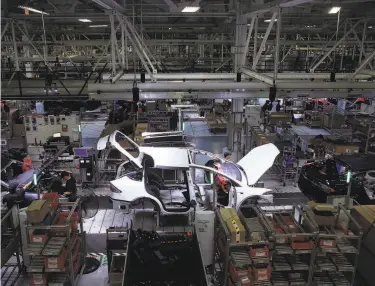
<point x="258" y="161"/>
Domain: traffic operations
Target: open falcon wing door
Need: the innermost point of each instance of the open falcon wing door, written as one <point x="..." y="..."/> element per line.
<point x="124" y="144"/>
<point x="258" y="161"/>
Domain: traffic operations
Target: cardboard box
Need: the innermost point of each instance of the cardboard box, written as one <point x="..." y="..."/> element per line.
<point x="313" y="209"/>
<point x="234" y="225"/>
<point x="37" y="211"/>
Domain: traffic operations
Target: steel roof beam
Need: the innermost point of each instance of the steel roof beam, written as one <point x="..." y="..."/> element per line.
<point x="335" y="46"/>
<point x="259" y="76"/>
<point x="228" y="95"/>
<point x="363" y="64"/>
<point x="231" y="86"/>
<point x="173" y="42"/>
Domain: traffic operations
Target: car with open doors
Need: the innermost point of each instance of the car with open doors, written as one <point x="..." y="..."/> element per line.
<point x="322" y="179"/>
<point x="163" y="175"/>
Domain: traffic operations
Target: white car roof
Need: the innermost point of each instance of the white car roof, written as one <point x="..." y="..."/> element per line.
<point x="167" y="157"/>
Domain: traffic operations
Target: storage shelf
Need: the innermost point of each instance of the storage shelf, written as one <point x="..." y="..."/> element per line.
<point x="72" y="244"/>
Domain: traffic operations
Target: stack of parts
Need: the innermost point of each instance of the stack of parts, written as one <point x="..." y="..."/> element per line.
<point x="54" y="243"/>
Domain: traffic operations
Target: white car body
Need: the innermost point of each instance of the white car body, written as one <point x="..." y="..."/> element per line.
<point x="128" y="189"/>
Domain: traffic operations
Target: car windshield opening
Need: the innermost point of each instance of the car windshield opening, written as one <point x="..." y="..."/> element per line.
<point x="127" y="144"/>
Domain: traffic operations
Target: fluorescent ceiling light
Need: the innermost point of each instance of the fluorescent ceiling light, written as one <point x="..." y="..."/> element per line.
<point x="85" y="20"/>
<point x="32" y="10"/>
<point x="190" y="9"/>
<point x="369" y="27"/>
<point x="98" y="26"/>
<point x="334" y="10"/>
<point x="269" y="20"/>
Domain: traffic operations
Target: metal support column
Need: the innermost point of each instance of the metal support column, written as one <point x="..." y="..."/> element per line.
<point x="277" y="51"/>
<point x="246" y="49"/>
<point x="255" y="38"/>
<point x="113" y="40"/>
<point x="263" y="44"/>
<point x="126" y="46"/>
<point x="135" y="47"/>
<point x="361" y="52"/>
<point x="123" y="46"/>
<point x="16" y="59"/>
<point x="4" y="30"/>
<point x="235" y="134"/>
<point x="137" y="41"/>
<point x="342" y="53"/>
<point x="241" y="29"/>
<point x="15" y="49"/>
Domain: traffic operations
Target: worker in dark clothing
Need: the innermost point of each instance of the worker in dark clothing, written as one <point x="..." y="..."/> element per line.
<point x="69" y="186"/>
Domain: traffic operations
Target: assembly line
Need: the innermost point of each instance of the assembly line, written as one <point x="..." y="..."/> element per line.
<point x="188" y="143"/>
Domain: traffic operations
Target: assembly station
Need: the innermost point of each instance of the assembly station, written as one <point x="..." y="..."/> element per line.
<point x="188" y="142"/>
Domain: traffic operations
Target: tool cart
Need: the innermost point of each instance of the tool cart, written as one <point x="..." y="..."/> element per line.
<point x="338" y="244"/>
<point x="242" y="248"/>
<point x="56" y="244"/>
<point x="10" y="246"/>
<point x="117" y="241"/>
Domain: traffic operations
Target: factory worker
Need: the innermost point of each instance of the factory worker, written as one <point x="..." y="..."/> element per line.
<point x="69" y="186"/>
<point x="27" y="163"/>
<point x="227" y="155"/>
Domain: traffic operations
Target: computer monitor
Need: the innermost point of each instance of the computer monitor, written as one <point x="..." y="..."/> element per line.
<point x="81" y="152"/>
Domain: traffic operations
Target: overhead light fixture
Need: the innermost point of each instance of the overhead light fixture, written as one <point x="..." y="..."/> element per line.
<point x="369" y="27"/>
<point x="32" y="10"/>
<point x="190" y="9"/>
<point x="98" y="26"/>
<point x="170" y="28"/>
<point x="85" y="20"/>
<point x="269" y="20"/>
<point x="334" y="10"/>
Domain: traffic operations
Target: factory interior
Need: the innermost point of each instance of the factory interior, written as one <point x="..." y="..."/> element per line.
<point x="142" y="138"/>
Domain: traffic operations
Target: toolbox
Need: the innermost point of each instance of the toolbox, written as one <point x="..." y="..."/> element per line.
<point x="234" y="225"/>
<point x="37" y="211"/>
